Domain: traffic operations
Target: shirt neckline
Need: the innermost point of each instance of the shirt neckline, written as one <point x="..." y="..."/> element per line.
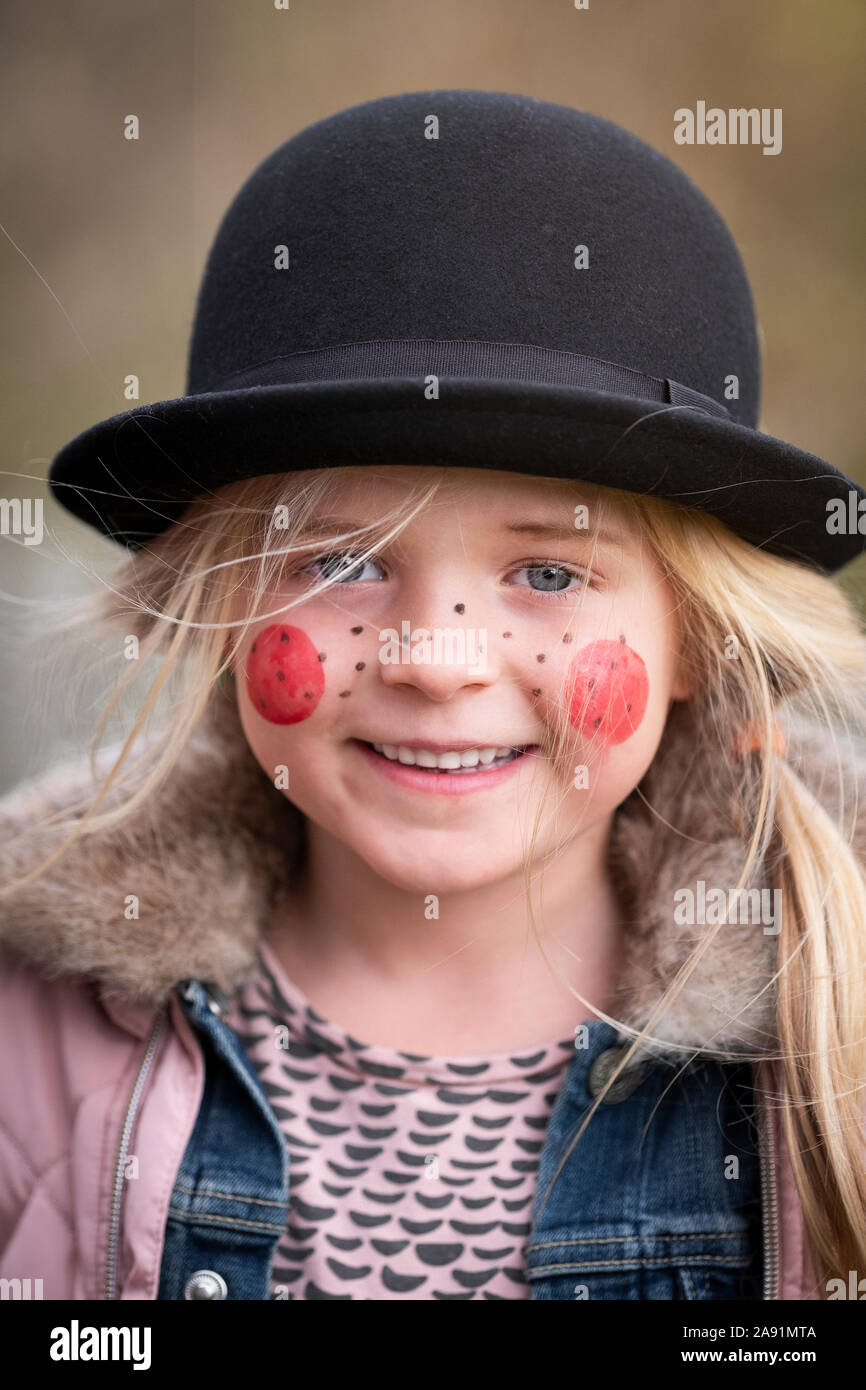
<point x="310" y="1029"/>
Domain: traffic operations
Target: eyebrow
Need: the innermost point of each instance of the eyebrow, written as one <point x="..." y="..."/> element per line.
<point x="563" y="532"/>
<point x="322" y="525"/>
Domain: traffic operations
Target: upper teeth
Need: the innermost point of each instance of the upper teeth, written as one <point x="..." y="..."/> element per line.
<point x="424" y="757"/>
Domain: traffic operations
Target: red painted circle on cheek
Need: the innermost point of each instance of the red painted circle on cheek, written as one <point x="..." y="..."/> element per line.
<point x="609" y="691"/>
<point x="285" y="680"/>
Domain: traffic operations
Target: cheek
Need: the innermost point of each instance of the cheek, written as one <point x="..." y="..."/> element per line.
<point x="285" y="679"/>
<point x="608" y="692"/>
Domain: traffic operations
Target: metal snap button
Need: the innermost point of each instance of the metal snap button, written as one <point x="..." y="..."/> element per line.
<point x="205" y="1283"/>
<point x="217" y="1001"/>
<point x="604" y="1064"/>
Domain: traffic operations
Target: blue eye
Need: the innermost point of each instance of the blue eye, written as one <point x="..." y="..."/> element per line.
<point x="543" y="578"/>
<point x="338" y="567"/>
<point x="550" y="580"/>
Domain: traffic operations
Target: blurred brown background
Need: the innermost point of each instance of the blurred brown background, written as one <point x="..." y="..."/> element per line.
<point x="104" y="239"/>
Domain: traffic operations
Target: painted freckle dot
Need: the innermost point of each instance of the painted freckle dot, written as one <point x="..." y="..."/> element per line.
<point x="356" y="630"/>
<point x="322" y="656"/>
<point x="281" y="675"/>
<point x="460" y="608"/>
<point x="359" y="665"/>
<point x="344" y="693"/>
<point x="506" y="634"/>
<point x="536" y="692"/>
<point x="540" y="656"/>
<point x="568" y="637"/>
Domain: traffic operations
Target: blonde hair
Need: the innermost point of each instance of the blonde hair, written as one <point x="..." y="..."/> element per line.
<point x="801" y="647"/>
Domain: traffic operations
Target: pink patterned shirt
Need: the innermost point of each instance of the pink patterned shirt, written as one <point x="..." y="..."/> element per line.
<point x="411" y="1177"/>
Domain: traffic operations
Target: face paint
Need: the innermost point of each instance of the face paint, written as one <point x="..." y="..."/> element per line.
<point x="285" y="677"/>
<point x="610" y="689"/>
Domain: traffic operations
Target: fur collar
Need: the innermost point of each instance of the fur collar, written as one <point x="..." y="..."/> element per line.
<point x="209" y="854"/>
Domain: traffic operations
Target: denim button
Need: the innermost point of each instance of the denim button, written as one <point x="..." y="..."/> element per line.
<point x="205" y="1284"/>
<point x="604" y="1064"/>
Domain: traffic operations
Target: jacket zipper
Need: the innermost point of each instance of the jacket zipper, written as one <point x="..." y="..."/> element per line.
<point x="123" y="1150"/>
<point x="769" y="1198"/>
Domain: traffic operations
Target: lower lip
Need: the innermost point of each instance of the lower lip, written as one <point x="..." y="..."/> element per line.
<point x="424" y="781"/>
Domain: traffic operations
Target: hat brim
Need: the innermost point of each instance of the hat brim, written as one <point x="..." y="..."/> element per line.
<point x="131" y="476"/>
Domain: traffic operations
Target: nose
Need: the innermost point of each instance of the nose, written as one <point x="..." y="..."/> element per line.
<point x="438" y="659"/>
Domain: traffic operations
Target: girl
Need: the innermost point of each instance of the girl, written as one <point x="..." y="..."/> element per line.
<point x="475" y="907"/>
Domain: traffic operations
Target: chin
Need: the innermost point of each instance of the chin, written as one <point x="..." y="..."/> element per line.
<point x="415" y="871"/>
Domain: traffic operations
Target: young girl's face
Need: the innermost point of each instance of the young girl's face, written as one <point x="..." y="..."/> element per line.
<point x="476" y="633"/>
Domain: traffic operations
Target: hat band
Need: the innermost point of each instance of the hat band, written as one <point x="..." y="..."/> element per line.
<point x="467" y="357"/>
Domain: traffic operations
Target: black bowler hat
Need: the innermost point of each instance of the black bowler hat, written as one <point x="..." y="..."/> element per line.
<point x="468" y="278"/>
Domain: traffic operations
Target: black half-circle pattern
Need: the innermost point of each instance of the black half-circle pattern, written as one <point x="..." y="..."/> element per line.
<point x="411" y="1175"/>
<point x="434" y="1203"/>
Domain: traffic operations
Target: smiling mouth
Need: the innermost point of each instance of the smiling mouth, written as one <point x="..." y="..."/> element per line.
<point x="455" y="763"/>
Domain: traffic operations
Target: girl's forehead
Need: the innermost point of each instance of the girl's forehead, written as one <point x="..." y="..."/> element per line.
<point x="480" y="510"/>
<point x="458" y="489"/>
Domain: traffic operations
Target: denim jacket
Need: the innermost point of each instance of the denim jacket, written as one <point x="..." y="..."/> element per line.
<point x="660" y="1200"/>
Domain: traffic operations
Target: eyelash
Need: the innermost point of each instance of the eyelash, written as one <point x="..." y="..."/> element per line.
<point x="543" y="594"/>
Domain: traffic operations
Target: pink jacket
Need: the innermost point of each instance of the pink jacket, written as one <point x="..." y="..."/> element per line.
<point x="83" y="984"/>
